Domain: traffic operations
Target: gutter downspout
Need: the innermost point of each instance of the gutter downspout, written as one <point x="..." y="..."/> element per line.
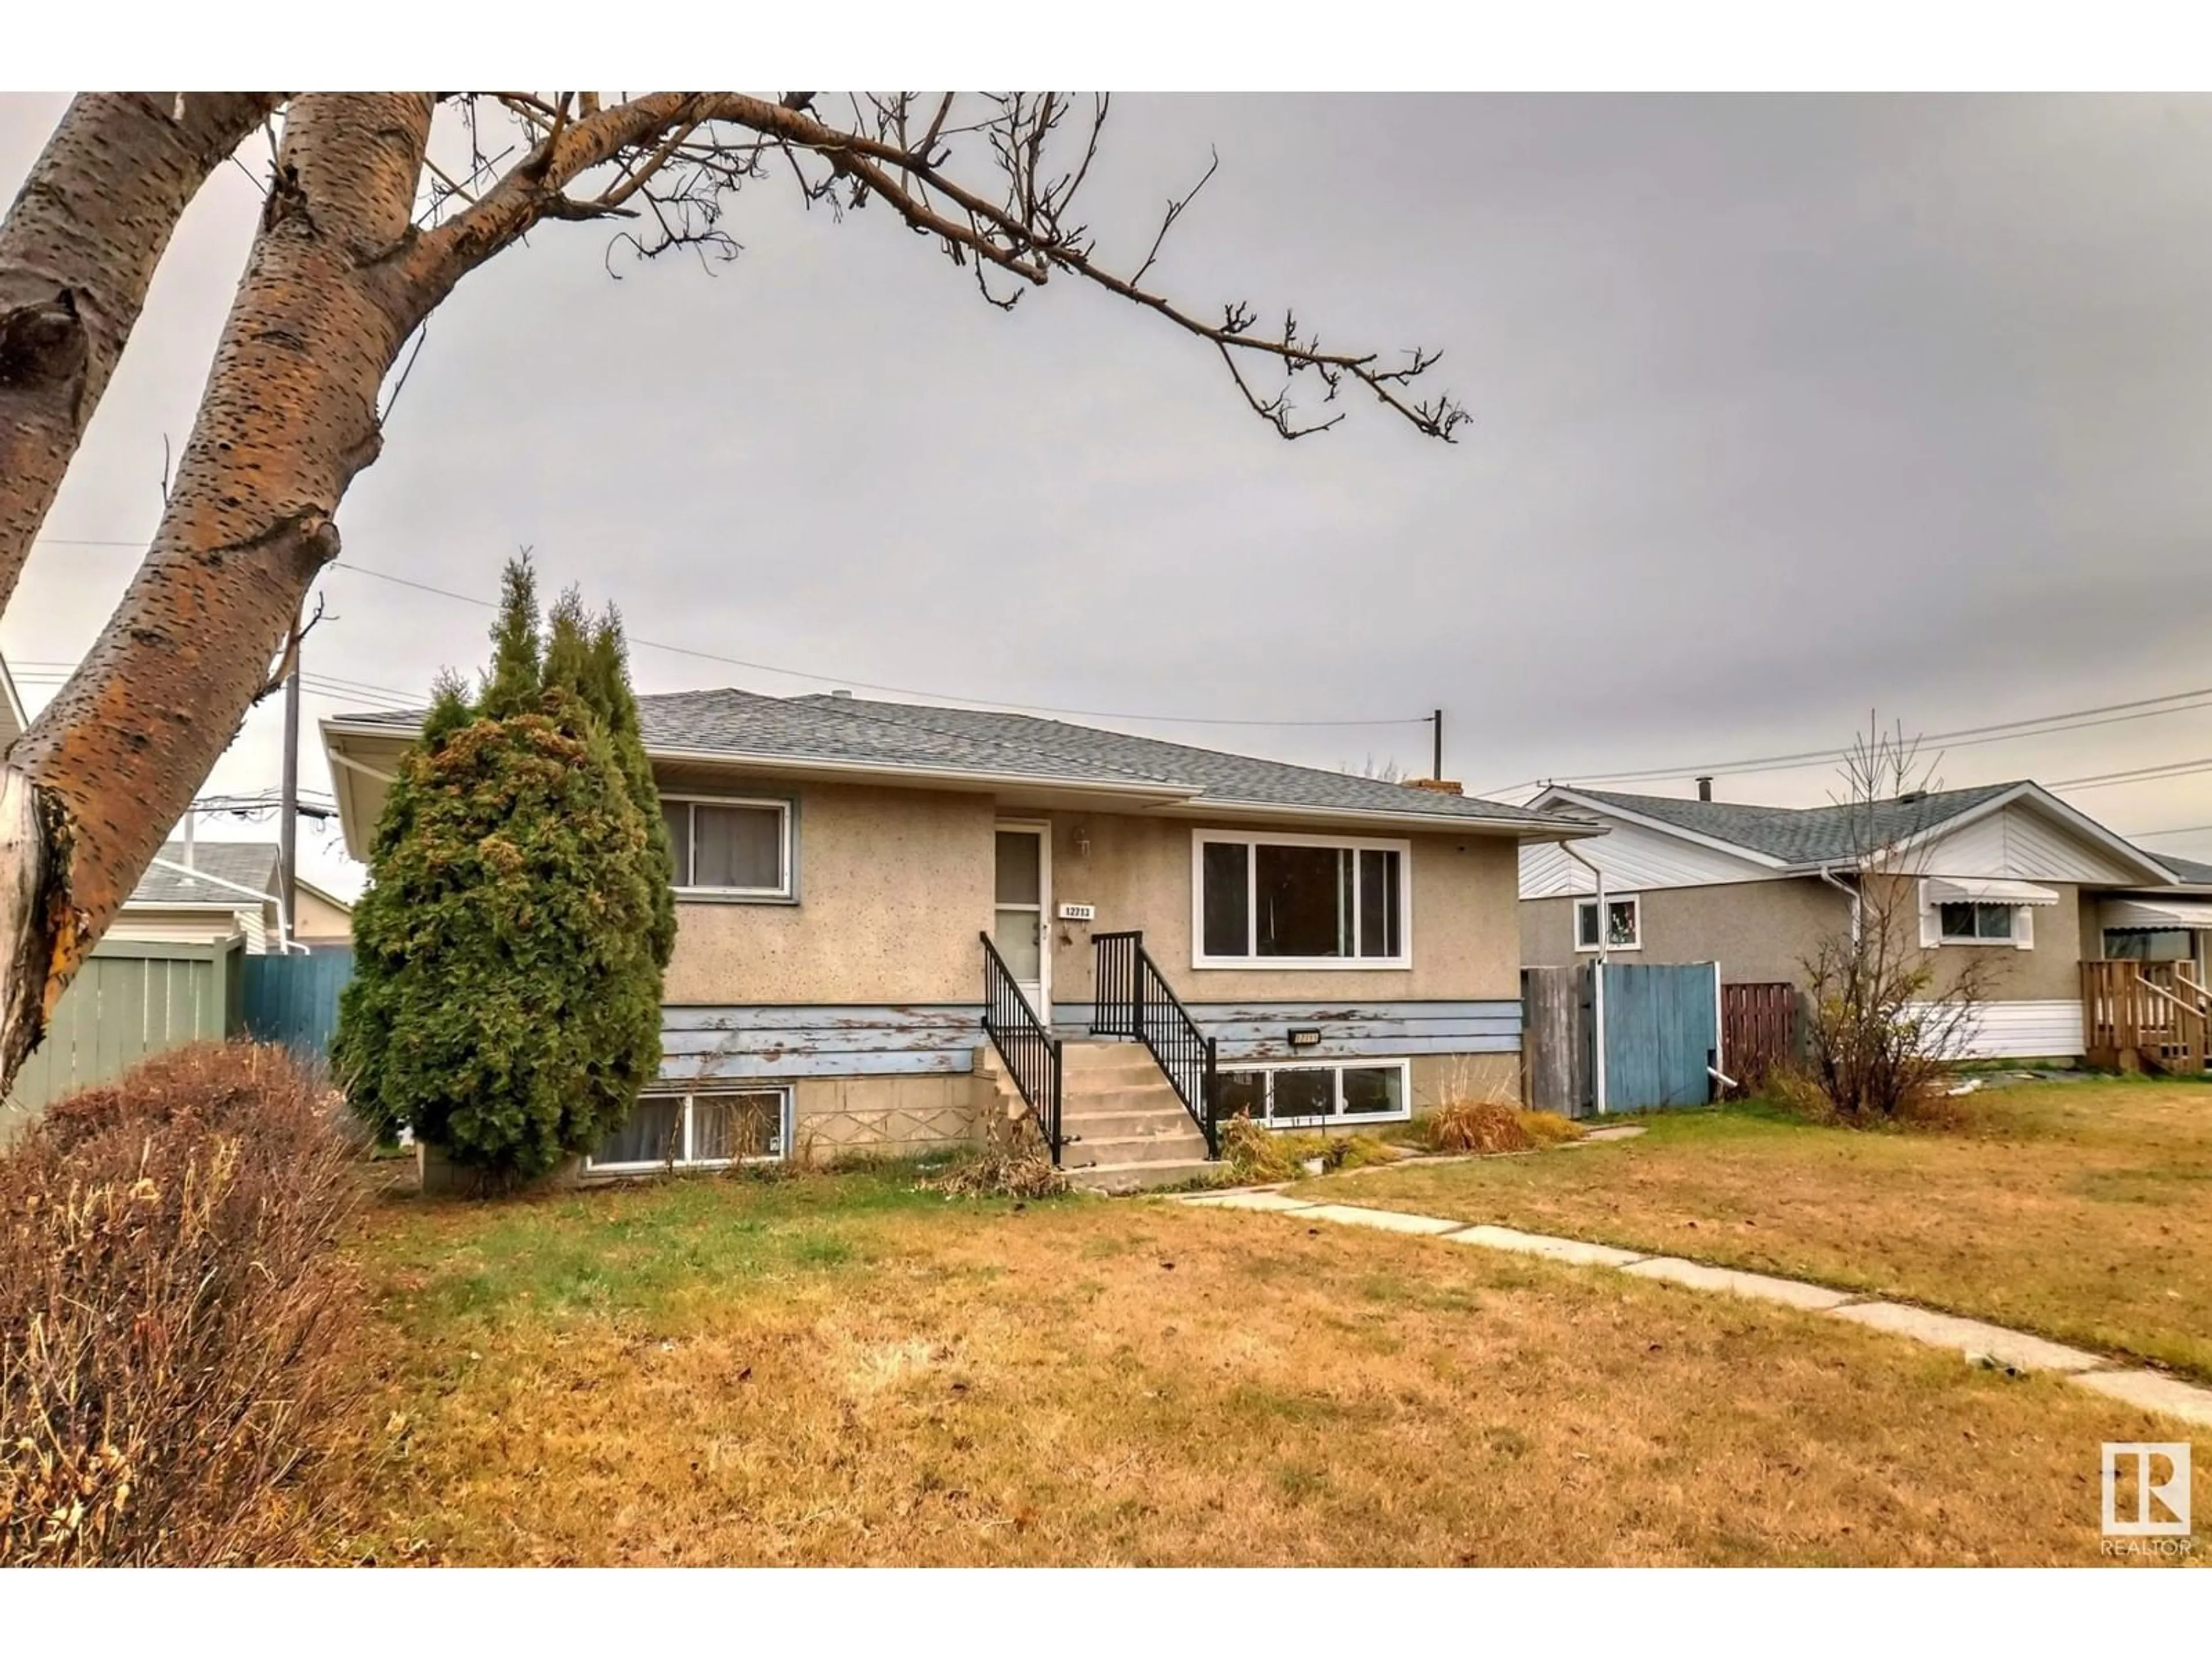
<point x="1827" y="874"/>
<point x="1597" y="984"/>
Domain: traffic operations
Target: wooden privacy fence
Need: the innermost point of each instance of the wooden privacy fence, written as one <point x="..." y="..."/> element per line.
<point x="294" y="1000"/>
<point x="1554" y="1040"/>
<point x="1758" y="1030"/>
<point x="132" y="998"/>
<point x="1658" y="1024"/>
<point x="2137" y="1014"/>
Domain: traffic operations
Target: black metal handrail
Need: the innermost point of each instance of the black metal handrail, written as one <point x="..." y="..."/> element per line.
<point x="1131" y="998"/>
<point x="1024" y="1042"/>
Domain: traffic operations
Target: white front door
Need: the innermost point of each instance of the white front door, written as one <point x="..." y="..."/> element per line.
<point x="1020" y="922"/>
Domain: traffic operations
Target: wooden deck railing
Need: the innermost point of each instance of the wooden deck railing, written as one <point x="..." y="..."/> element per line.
<point x="2152" y="1014"/>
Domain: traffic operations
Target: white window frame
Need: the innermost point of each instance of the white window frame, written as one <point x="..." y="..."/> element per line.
<point x="1634" y="900"/>
<point x="1251" y="839"/>
<point x="592" y="1166"/>
<point x="787" y="891"/>
<point x="1403" y="1066"/>
<point x="2011" y="941"/>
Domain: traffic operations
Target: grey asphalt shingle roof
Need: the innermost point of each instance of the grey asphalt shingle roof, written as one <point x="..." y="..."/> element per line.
<point x="2194" y="870"/>
<point x="250" y="863"/>
<point x="1805" y="834"/>
<point x="921" y="737"/>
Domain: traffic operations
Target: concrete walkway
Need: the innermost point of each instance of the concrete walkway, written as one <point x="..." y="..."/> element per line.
<point x="1980" y="1344"/>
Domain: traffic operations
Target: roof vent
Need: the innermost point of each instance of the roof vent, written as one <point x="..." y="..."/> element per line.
<point x="1912" y="797"/>
<point x="840" y="692"/>
<point x="1704" y="788"/>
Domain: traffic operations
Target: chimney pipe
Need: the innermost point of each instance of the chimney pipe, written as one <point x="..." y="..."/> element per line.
<point x="1704" y="788"/>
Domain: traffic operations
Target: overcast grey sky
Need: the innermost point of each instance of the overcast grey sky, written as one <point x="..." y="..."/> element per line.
<point x="1785" y="408"/>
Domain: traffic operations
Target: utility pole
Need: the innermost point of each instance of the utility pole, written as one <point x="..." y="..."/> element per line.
<point x="1438" y="721"/>
<point x="287" y="823"/>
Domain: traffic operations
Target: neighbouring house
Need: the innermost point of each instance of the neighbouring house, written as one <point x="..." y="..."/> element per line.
<point x="12" y="717"/>
<point x="894" y="917"/>
<point x="197" y="891"/>
<point x="2008" y="871"/>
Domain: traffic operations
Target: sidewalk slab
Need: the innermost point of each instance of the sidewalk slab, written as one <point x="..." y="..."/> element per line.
<point x="2154" y="1393"/>
<point x="2014" y="1348"/>
<point x="1572" y="1250"/>
<point x="1254" y="1200"/>
<point x="1789" y="1292"/>
<point x="1390" y="1221"/>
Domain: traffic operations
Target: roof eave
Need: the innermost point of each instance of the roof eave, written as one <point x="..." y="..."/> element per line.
<point x="1715" y="843"/>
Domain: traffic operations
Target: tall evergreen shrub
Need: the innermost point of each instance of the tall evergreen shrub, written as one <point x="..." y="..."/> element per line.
<point x="506" y="998"/>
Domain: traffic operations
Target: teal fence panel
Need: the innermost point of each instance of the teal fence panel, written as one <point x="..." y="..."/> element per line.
<point x="1661" y="1031"/>
<point x="294" y="1000"/>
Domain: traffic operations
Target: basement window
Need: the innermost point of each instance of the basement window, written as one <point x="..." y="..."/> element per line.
<point x="704" y="1130"/>
<point x="1304" y="1096"/>
<point x="1284" y="901"/>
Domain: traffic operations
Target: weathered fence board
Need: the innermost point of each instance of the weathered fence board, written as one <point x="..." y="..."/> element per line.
<point x="132" y="999"/>
<point x="294" y="1000"/>
<point x="1554" y="1043"/>
<point x="1759" y="1031"/>
<point x="1661" y="1024"/>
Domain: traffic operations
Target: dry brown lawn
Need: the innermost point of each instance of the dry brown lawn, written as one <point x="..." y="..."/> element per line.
<point x="838" y="1369"/>
<point x="2081" y="1211"/>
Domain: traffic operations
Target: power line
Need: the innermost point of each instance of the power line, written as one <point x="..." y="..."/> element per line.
<point x="2185" y="830"/>
<point x="873" y="685"/>
<point x="1967" y="736"/>
<point x="2137" y="774"/>
<point x="804" y="674"/>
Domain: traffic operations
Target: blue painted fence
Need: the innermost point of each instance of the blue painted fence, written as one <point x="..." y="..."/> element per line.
<point x="1662" y="1029"/>
<point x="294" y="1000"/>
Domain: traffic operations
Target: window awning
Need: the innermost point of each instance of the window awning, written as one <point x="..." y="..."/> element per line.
<point x="1986" y="890"/>
<point x="2157" y="913"/>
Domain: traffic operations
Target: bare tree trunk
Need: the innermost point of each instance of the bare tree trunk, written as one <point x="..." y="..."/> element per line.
<point x="289" y="418"/>
<point x="78" y="253"/>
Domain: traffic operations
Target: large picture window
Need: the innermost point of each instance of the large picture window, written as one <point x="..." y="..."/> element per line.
<point x="1300" y="901"/>
<point x="704" y="1130"/>
<point x="730" y="848"/>
<point x="1285" y="1097"/>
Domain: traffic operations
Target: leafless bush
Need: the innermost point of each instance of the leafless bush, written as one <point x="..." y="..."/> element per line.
<point x="1013" y="1162"/>
<point x="1885" y="1026"/>
<point x="172" y="1306"/>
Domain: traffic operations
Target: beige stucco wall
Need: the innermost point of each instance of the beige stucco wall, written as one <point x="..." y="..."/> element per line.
<point x="1765" y="930"/>
<point x="1137" y="872"/>
<point x="894" y="886"/>
<point x="2049" y="971"/>
<point x="319" y="921"/>
<point x="1758" y="931"/>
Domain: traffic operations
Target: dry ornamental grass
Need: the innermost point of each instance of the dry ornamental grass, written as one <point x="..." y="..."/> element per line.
<point x="173" y="1306"/>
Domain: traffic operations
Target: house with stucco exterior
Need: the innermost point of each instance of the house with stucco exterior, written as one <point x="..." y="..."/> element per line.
<point x="197" y="892"/>
<point x="895" y="919"/>
<point x="2005" y="874"/>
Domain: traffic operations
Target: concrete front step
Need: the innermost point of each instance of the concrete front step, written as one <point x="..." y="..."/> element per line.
<point x="1116" y="1178"/>
<point x="1133" y="1149"/>
<point x="1170" y="1119"/>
